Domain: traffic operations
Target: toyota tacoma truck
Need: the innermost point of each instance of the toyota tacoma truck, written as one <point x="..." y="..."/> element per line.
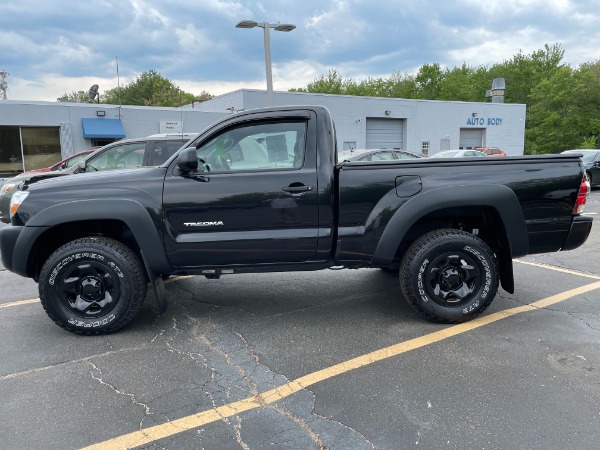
<point x="263" y="191"/>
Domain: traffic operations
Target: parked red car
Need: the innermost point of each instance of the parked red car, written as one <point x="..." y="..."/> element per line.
<point x="65" y="163"/>
<point x="491" y="151"/>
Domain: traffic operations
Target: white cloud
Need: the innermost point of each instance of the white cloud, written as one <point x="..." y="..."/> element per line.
<point x="49" y="87"/>
<point x="491" y="48"/>
<point x="192" y="39"/>
<point x="195" y="44"/>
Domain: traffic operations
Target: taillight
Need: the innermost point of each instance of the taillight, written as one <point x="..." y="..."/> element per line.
<point x="584" y="190"/>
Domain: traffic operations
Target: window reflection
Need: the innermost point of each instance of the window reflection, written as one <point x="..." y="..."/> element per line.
<point x="11" y="162"/>
<point x="41" y="146"/>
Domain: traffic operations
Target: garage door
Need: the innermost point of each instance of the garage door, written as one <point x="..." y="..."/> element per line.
<point x="385" y="133"/>
<point x="471" y="138"/>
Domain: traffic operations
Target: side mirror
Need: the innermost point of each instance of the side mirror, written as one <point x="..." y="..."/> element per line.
<point x="81" y="166"/>
<point x="187" y="161"/>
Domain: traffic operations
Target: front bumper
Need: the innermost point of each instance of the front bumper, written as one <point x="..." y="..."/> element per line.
<point x="579" y="232"/>
<point x="8" y="242"/>
<point x="18" y="246"/>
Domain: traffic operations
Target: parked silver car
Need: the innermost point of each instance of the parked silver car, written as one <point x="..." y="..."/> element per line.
<point x="376" y="154"/>
<point x="123" y="154"/>
<point x="459" y="154"/>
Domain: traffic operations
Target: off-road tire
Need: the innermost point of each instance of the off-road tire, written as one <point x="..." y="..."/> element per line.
<point x="92" y="285"/>
<point x="449" y="276"/>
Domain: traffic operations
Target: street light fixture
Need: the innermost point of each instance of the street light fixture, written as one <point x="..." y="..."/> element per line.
<point x="286" y="27"/>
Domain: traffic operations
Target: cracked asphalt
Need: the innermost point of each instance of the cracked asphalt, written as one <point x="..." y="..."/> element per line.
<point x="530" y="380"/>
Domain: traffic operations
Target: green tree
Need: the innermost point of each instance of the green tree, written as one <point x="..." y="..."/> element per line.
<point x="464" y="83"/>
<point x="563" y="103"/>
<point x="203" y="96"/>
<point x="74" y="97"/>
<point x="429" y="79"/>
<point x="402" y="85"/>
<point x="332" y="83"/>
<point x="523" y="72"/>
<point x="564" y="111"/>
<point x="148" y="89"/>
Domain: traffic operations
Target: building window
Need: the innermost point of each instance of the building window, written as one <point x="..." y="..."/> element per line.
<point x="102" y="142"/>
<point x="425" y="148"/>
<point x="11" y="159"/>
<point x="349" y="145"/>
<point x="41" y="146"/>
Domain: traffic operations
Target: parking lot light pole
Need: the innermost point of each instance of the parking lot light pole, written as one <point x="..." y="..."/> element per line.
<point x="266" y="26"/>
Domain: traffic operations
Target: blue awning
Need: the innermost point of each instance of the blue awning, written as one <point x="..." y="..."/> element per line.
<point x="102" y="128"/>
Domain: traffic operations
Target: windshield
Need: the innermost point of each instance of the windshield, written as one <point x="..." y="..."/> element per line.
<point x="587" y="157"/>
<point x="72" y="161"/>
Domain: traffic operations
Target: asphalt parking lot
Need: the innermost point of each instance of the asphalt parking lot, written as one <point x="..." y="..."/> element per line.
<point x="323" y="360"/>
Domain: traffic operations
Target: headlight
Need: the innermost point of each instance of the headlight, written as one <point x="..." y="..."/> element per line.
<point x="17" y="200"/>
<point x="7" y="188"/>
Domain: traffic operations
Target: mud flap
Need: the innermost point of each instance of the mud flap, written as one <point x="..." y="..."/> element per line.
<point x="158" y="287"/>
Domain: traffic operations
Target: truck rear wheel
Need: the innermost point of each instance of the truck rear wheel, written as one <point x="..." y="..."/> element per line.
<point x="92" y="285"/>
<point x="449" y="276"/>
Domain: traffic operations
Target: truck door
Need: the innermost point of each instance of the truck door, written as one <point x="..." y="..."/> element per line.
<point x="256" y="201"/>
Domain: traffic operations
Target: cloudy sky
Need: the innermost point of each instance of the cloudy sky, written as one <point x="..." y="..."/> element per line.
<point x="50" y="47"/>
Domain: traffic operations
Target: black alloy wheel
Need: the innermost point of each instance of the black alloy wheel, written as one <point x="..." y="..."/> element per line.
<point x="89" y="289"/>
<point x="452" y="278"/>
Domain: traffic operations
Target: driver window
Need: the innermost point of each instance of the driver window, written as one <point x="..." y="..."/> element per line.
<point x="126" y="156"/>
<point x="261" y="146"/>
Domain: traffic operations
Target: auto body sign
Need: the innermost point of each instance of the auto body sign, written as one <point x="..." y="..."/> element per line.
<point x="483" y="121"/>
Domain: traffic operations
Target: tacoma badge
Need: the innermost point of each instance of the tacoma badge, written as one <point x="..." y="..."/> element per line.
<point x="203" y="224"/>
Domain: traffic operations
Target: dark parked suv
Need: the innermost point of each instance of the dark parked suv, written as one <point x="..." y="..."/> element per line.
<point x="591" y="163"/>
<point x="124" y="154"/>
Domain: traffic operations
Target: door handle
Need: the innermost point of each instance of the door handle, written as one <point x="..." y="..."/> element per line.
<point x="297" y="189"/>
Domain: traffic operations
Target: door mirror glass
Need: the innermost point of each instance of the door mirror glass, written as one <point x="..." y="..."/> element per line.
<point x="187" y="161"/>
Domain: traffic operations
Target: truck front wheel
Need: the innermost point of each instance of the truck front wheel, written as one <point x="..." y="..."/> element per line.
<point x="449" y="276"/>
<point x="92" y="285"/>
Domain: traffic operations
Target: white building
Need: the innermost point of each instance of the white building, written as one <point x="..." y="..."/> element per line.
<point x="38" y="134"/>
<point x="421" y="126"/>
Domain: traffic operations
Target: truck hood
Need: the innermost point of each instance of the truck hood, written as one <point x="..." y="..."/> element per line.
<point x="97" y="179"/>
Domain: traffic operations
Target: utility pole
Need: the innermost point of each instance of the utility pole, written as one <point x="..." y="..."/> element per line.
<point x="3" y="85"/>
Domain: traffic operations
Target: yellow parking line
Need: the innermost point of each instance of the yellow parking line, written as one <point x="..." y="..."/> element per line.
<point x="558" y="269"/>
<point x="173" y="427"/>
<point x="36" y="300"/>
<point x="20" y="302"/>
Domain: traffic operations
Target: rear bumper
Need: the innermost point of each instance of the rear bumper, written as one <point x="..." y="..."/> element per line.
<point x="579" y="232"/>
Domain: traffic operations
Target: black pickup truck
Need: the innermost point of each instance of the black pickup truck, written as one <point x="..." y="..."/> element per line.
<point x="263" y="191"/>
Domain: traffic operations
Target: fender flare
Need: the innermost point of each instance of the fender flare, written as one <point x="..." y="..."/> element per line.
<point x="498" y="197"/>
<point x="137" y="217"/>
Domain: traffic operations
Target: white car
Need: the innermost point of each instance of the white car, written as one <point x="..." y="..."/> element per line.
<point x="458" y="154"/>
<point x="376" y="154"/>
